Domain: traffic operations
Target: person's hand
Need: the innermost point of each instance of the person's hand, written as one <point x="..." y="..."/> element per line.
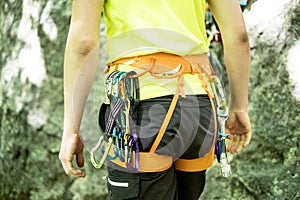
<point x="239" y="127"/>
<point x="72" y="145"/>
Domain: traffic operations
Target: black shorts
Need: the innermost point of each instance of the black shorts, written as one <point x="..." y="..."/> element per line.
<point x="190" y="134"/>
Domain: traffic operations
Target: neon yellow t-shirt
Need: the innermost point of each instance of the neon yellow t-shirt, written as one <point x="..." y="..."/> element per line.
<point x="138" y="27"/>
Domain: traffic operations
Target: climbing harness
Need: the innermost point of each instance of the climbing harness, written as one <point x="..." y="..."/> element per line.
<point x="120" y="143"/>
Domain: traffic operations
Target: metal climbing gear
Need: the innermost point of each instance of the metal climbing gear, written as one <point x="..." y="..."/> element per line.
<point x="222" y="114"/>
<point x="243" y="2"/>
<point x="99" y="145"/>
<point x="119" y="141"/>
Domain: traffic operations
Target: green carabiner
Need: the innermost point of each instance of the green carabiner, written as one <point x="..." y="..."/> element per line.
<point x="105" y="154"/>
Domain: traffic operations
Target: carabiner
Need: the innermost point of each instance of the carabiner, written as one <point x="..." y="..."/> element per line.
<point x="129" y="157"/>
<point x="119" y="151"/>
<point x="117" y="77"/>
<point x="109" y="83"/>
<point x="222" y="113"/>
<point x="114" y="136"/>
<point x="129" y="84"/>
<point x="126" y="147"/>
<point x="133" y="167"/>
<point x="104" y="156"/>
<point x="137" y="164"/>
<point x="243" y="2"/>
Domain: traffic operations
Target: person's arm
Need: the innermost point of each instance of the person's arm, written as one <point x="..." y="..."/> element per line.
<point x="80" y="64"/>
<point x="230" y="20"/>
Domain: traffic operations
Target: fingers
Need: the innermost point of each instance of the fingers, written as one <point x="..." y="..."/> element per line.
<point x="70" y="170"/>
<point x="239" y="127"/>
<point x="80" y="159"/>
<point x="238" y="142"/>
<point x="72" y="146"/>
<point x="231" y="147"/>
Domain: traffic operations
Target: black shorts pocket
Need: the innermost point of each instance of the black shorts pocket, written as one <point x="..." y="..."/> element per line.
<point x="123" y="186"/>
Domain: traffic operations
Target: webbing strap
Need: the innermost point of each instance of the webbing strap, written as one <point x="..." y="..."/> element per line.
<point x="112" y="116"/>
<point x="148" y="162"/>
<point x="165" y="123"/>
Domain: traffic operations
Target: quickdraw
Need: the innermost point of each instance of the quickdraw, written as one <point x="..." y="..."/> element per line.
<point x="222" y="114"/>
<point x="119" y="140"/>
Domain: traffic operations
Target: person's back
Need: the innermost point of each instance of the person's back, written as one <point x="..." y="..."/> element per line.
<point x="145" y="27"/>
<point x="140" y="27"/>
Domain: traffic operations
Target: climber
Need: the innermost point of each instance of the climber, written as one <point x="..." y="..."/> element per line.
<point x="162" y="45"/>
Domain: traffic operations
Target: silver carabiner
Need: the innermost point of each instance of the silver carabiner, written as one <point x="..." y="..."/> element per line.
<point x="222" y="113"/>
<point x="109" y="83"/>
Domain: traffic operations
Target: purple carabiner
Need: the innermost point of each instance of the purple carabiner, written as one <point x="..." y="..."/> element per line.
<point x="133" y="167"/>
<point x="137" y="163"/>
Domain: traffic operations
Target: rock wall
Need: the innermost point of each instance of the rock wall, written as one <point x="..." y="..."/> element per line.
<point x="269" y="167"/>
<point x="33" y="35"/>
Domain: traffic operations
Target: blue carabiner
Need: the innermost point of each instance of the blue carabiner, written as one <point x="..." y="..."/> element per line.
<point x="243" y="2"/>
<point x="120" y="152"/>
<point x="117" y="76"/>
